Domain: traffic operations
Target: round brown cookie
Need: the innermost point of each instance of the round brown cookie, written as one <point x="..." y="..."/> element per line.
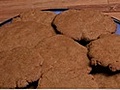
<point x="19" y="67"/>
<point x="23" y="34"/>
<point x="65" y="64"/>
<point x="84" y="24"/>
<point x="105" y="52"/>
<point x="42" y="17"/>
<point x="61" y="48"/>
<point x="108" y="81"/>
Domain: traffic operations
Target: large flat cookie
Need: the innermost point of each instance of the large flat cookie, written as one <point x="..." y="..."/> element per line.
<point x="65" y="64"/>
<point x="60" y="48"/>
<point x="23" y="34"/>
<point x="84" y="24"/>
<point x="19" y="67"/>
<point x="106" y="52"/>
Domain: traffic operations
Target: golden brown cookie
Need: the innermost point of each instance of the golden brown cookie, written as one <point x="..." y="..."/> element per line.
<point x="19" y="67"/>
<point x="105" y="52"/>
<point x="84" y="24"/>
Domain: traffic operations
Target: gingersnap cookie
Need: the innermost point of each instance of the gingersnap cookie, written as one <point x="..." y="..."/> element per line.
<point x="61" y="48"/>
<point x="84" y="24"/>
<point x="19" y="67"/>
<point x="21" y="33"/>
<point x="42" y="17"/>
<point x="65" y="64"/>
<point x="105" y="52"/>
<point x="108" y="81"/>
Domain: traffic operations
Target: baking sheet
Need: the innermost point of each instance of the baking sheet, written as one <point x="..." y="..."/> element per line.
<point x="58" y="11"/>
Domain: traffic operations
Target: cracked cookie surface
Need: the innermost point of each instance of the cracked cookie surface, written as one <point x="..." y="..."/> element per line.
<point x="84" y="24"/>
<point x="19" y="67"/>
<point x="105" y="52"/>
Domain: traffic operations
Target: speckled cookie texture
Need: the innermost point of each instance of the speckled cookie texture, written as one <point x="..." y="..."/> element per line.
<point x="23" y="34"/>
<point x="56" y="77"/>
<point x="60" y="48"/>
<point x="74" y="49"/>
<point x="42" y="17"/>
<point x="84" y="24"/>
<point x="108" y="81"/>
<point x="65" y="64"/>
<point x="105" y="52"/>
<point x="19" y="67"/>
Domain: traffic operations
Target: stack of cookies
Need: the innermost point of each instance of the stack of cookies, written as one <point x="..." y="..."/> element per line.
<point x="74" y="49"/>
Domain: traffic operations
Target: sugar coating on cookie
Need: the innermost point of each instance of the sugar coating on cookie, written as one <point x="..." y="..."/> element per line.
<point x="23" y="34"/>
<point x="84" y="24"/>
<point x="105" y="52"/>
<point x="19" y="67"/>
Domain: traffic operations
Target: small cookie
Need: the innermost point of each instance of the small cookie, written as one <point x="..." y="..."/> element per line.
<point x="84" y="24"/>
<point x="42" y="17"/>
<point x="19" y="67"/>
<point x="108" y="81"/>
<point x="61" y="48"/>
<point x="21" y="33"/>
<point x="105" y="52"/>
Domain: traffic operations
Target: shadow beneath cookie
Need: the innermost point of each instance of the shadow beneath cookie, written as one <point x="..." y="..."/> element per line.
<point x="83" y="42"/>
<point x="8" y="21"/>
<point x="99" y="69"/>
<point x="32" y="85"/>
<point x="55" y="29"/>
